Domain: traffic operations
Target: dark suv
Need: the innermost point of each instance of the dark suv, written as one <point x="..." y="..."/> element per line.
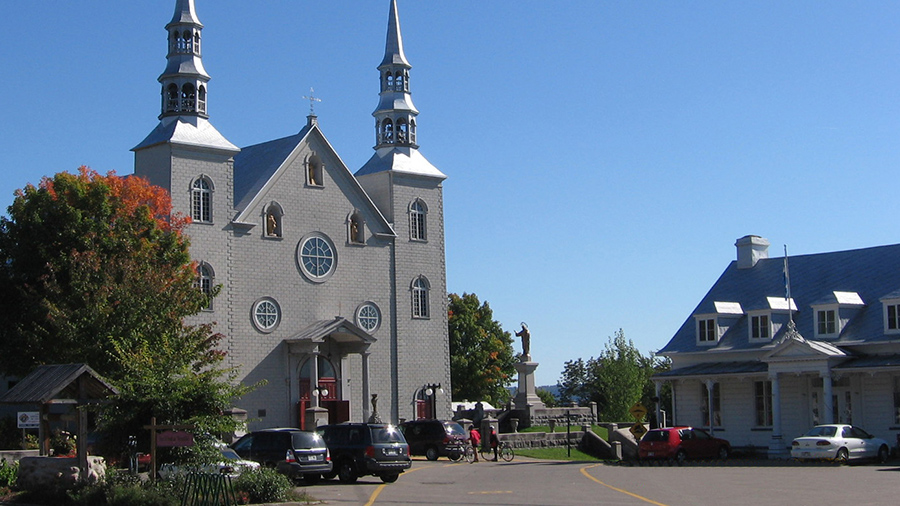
<point x="434" y="438"/>
<point x="292" y="452"/>
<point x="359" y="449"/>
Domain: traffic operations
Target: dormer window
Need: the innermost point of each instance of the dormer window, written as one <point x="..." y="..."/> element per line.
<point x="707" y="332"/>
<point x="760" y="327"/>
<point x="891" y="309"/>
<point x="834" y="311"/>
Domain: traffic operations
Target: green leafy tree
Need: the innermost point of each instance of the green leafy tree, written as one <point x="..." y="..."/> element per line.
<point x="615" y="380"/>
<point x="482" y="361"/>
<point x="546" y="397"/>
<point x="95" y="269"/>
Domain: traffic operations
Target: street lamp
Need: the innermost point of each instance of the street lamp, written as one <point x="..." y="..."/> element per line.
<point x="431" y="390"/>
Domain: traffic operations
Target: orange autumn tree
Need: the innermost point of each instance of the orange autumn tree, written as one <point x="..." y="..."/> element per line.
<point x="482" y="361"/>
<point x="95" y="269"/>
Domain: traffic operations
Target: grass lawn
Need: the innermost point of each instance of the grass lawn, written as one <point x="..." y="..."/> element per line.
<point x="556" y="453"/>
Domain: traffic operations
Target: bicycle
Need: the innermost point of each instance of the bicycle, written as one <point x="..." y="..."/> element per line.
<point x="469" y="453"/>
<point x="504" y="451"/>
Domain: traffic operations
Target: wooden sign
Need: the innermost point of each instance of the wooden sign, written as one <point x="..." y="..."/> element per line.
<point x="170" y="438"/>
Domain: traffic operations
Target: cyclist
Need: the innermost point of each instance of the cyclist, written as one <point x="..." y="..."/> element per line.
<point x="495" y="442"/>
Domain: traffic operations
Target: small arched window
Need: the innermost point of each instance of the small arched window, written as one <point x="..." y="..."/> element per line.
<point x="205" y="283"/>
<point x="201" y="99"/>
<point x="188" y="44"/>
<point x="418" y="215"/>
<point x="389" y="81"/>
<point x="420" y="288"/>
<point x="402" y="131"/>
<point x="201" y="201"/>
<point x="398" y="82"/>
<point x="172" y="98"/>
<point x="197" y="42"/>
<point x="188" y="98"/>
<point x="387" y="129"/>
<point x="412" y="131"/>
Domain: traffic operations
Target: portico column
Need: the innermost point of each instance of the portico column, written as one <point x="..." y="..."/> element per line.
<point x="314" y="381"/>
<point x="656" y="389"/>
<point x="365" y="386"/>
<point x="829" y="396"/>
<point x="776" y="443"/>
<point x="710" y="385"/>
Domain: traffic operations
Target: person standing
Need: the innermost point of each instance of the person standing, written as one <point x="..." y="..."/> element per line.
<point x="495" y="442"/>
<point x="475" y="440"/>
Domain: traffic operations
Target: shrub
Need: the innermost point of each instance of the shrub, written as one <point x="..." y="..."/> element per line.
<point x="8" y="473"/>
<point x="123" y="489"/>
<point x="264" y="485"/>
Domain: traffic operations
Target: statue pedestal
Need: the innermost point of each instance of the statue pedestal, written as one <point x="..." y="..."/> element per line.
<point x="526" y="397"/>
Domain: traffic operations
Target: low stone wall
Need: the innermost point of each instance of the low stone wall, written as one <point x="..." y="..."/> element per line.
<point x="579" y="416"/>
<point x="541" y="439"/>
<point x="17" y="455"/>
<point x="56" y="473"/>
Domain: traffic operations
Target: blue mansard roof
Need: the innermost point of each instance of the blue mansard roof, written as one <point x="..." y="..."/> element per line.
<point x="872" y="273"/>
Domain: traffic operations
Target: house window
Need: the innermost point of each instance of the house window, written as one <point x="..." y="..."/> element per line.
<point x="893" y="317"/>
<point x="420" y="298"/>
<point x="896" y="400"/>
<point x="417" y="215"/>
<point x="759" y="328"/>
<point x="825" y="322"/>
<point x="266" y="315"/>
<point x="201" y="201"/>
<point x="763" y="403"/>
<point x="716" y="405"/>
<point x="706" y="332"/>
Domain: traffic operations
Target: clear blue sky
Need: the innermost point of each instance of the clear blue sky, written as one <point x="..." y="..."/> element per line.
<point x="603" y="157"/>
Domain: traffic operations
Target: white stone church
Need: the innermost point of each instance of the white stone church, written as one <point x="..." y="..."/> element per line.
<point x="333" y="283"/>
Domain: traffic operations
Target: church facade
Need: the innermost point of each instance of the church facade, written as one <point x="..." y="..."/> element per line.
<point x="332" y="281"/>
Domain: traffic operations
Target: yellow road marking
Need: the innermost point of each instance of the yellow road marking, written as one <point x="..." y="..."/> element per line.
<point x="489" y="492"/>
<point x="584" y="472"/>
<point x="381" y="487"/>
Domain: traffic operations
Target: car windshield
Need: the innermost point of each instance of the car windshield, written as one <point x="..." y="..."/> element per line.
<point x="307" y="440"/>
<point x="455" y="429"/>
<point x="657" y="435"/>
<point x="821" y="431"/>
<point x="388" y="434"/>
<point x="229" y="454"/>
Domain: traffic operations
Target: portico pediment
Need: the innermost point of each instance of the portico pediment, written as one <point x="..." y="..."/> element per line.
<point x="339" y="331"/>
<point x="792" y="350"/>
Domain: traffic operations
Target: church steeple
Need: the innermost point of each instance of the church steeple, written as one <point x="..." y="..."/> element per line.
<point x="395" y="117"/>
<point x="184" y="82"/>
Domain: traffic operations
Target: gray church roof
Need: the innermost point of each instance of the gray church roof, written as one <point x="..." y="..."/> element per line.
<point x="872" y="273"/>
<point x="186" y="130"/>
<point x="255" y="165"/>
<point x="400" y="159"/>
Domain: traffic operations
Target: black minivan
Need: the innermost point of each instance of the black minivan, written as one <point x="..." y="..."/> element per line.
<point x="434" y="438"/>
<point x="292" y="452"/>
<point x="359" y="449"/>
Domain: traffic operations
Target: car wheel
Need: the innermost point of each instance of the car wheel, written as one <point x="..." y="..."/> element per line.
<point x="346" y="473"/>
<point x="311" y="479"/>
<point x="389" y="478"/>
<point x="842" y="456"/>
<point x="431" y="453"/>
<point x="454" y="456"/>
<point x="723" y="453"/>
<point x="883" y="454"/>
<point x="680" y="457"/>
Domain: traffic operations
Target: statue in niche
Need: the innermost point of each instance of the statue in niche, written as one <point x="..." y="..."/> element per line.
<point x="374" y="418"/>
<point x="312" y="174"/>
<point x="526" y="341"/>
<point x="271" y="225"/>
<point x="354" y="231"/>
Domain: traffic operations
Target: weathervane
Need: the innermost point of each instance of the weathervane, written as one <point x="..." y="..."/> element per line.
<point x="312" y="101"/>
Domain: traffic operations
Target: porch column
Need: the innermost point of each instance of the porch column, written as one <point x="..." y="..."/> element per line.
<point x="710" y="386"/>
<point x="828" y="395"/>
<point x="314" y="381"/>
<point x="659" y="420"/>
<point x="365" y="386"/>
<point x="776" y="443"/>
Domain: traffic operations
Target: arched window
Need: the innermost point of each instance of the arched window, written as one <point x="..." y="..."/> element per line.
<point x="201" y="99"/>
<point x="197" y="42"/>
<point x="201" y="201"/>
<point x="274" y="223"/>
<point x="398" y="82"/>
<point x="389" y="81"/>
<point x="188" y="44"/>
<point x="412" y="131"/>
<point x="402" y="131"/>
<point x="205" y="283"/>
<point x="387" y="132"/>
<point x="418" y="215"/>
<point x="326" y="382"/>
<point x="172" y="98"/>
<point x="188" y="98"/>
<point x="420" y="288"/>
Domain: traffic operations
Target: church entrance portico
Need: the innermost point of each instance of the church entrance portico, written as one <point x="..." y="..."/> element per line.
<point x="319" y="378"/>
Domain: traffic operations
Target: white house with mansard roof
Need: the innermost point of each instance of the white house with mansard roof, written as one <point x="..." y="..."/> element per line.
<point x="759" y="368"/>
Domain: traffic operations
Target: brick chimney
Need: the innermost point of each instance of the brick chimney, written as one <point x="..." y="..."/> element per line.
<point x="750" y="249"/>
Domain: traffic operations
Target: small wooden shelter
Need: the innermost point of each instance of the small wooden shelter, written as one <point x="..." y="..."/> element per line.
<point x="72" y="384"/>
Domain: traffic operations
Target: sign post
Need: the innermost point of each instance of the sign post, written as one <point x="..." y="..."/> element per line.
<point x="638" y="411"/>
<point x="169" y="438"/>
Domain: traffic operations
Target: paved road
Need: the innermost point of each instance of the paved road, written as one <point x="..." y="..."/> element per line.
<point x="538" y="482"/>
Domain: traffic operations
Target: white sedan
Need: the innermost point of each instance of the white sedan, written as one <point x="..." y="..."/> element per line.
<point x="839" y="442"/>
<point x="231" y="464"/>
